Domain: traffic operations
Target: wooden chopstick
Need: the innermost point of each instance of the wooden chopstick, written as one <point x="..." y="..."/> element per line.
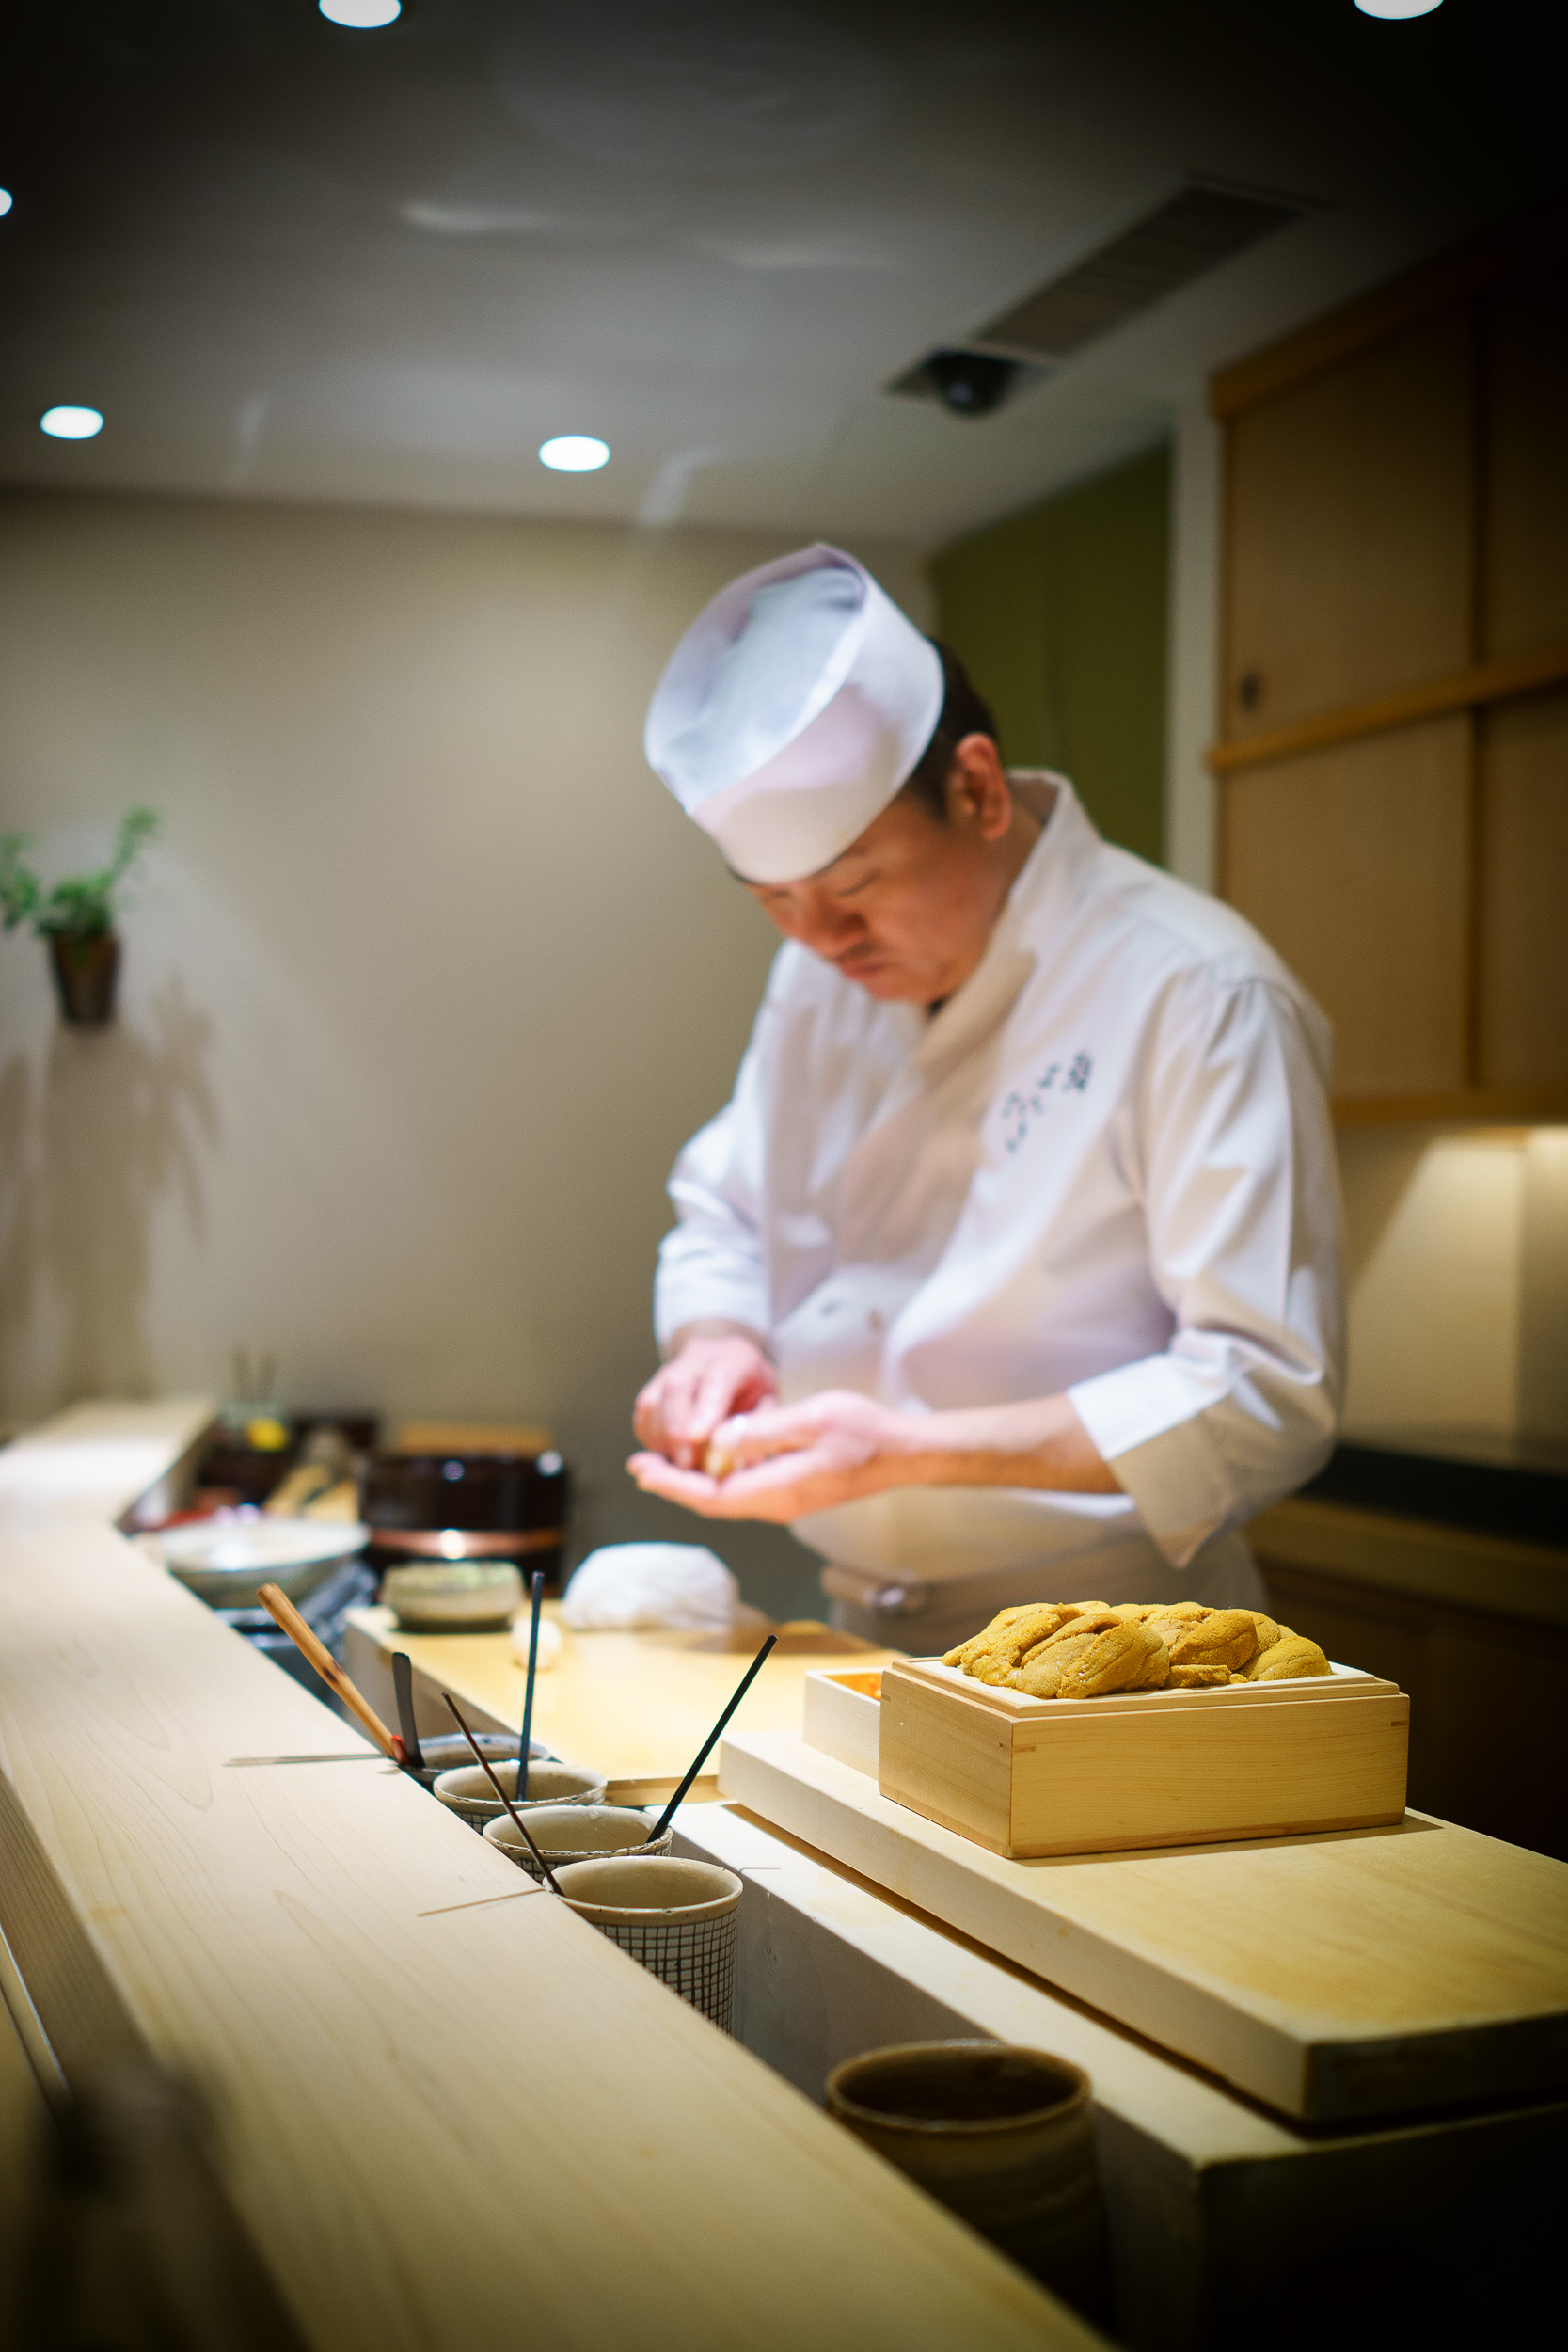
<point x="284" y="1615"/>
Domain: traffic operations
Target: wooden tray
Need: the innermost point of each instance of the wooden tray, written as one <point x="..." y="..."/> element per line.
<point x="1025" y="1776"/>
<point x="842" y="1715"/>
<point x="1354" y="1974"/>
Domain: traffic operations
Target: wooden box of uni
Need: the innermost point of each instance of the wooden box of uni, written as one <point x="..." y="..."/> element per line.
<point x="1049" y="1734"/>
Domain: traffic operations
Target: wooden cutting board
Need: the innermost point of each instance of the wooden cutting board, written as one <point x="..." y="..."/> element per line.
<point x="1337" y="1976"/>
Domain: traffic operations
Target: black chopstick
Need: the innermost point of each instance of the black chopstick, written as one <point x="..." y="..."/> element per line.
<point x="518" y="1821"/>
<point x="706" y="1748"/>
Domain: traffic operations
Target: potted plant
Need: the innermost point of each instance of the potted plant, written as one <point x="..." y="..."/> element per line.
<point x="77" y="918"/>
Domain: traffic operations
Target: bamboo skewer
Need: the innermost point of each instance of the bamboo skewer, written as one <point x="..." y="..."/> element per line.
<point x="285" y="1616"/>
<point x="518" y="1821"/>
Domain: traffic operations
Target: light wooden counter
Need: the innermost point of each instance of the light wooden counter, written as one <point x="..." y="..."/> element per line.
<point x="636" y="1706"/>
<point x="1210" y="2197"/>
<point x="451" y="2111"/>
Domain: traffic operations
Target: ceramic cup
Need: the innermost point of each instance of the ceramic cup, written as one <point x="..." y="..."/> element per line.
<point x="446" y="1750"/>
<point x="576" y="1833"/>
<point x="1002" y="2136"/>
<point x="674" y="1916"/>
<point x="467" y="1790"/>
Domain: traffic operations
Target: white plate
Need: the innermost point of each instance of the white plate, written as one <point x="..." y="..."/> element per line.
<point x="256" y="1544"/>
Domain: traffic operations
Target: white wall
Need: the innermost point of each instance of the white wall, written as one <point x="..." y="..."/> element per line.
<point x="427" y="986"/>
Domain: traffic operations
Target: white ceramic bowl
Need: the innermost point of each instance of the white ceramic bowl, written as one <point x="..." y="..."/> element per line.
<point x="224" y="1561"/>
<point x="461" y="1596"/>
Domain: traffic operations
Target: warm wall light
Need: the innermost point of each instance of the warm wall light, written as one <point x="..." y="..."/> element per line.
<point x="364" y="16"/>
<point x="574" y="452"/>
<point x="71" y="424"/>
<point x="1397" y="7"/>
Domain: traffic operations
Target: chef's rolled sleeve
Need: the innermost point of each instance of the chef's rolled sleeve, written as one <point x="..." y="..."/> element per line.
<point x="1243" y="1218"/>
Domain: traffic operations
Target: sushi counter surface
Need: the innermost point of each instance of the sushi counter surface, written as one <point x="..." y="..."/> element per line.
<point x="449" y="2113"/>
<point x="639" y="1706"/>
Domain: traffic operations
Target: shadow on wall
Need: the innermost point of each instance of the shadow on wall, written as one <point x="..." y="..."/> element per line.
<point x="90" y="1137"/>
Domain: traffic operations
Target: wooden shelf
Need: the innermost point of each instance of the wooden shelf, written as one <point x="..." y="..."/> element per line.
<point x="1475" y="1107"/>
<point x="1336" y="1975"/>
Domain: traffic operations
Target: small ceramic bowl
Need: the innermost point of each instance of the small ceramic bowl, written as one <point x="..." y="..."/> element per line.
<point x="576" y="1833"/>
<point x="468" y="1791"/>
<point x="469" y="1596"/>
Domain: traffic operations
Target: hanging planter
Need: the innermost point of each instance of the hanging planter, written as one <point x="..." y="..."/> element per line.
<point x="87" y="975"/>
<point x="77" y="918"/>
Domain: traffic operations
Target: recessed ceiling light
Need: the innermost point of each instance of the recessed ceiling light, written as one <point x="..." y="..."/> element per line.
<point x="574" y="452"/>
<point x="361" y="16"/>
<point x="71" y="424"/>
<point x="4" y="203"/>
<point x="1397" y="7"/>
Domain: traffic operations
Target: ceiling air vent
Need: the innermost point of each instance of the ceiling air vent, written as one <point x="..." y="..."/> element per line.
<point x="1194" y="232"/>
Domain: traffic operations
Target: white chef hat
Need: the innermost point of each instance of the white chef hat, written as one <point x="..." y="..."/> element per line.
<point x="791" y="712"/>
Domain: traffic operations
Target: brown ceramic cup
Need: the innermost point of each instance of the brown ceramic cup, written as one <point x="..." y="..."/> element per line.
<point x="1000" y="2134"/>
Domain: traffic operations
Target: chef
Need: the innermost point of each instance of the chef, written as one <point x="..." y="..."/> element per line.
<point x="1011" y="1270"/>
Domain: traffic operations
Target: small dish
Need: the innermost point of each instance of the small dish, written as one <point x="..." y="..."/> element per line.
<point x="465" y="1597"/>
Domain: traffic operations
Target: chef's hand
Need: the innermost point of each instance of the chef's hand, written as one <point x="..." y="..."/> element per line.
<point x="716" y="1370"/>
<point x="785" y="1461"/>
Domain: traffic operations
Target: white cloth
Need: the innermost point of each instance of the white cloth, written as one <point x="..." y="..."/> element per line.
<point x="1105" y="1165"/>
<point x="791" y="712"/>
<point x="683" y="1586"/>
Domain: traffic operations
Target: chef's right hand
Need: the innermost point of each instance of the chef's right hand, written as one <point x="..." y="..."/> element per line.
<point x="715" y="1371"/>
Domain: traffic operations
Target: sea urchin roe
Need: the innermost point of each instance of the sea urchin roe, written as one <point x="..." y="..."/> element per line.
<point x="1289" y="1660"/>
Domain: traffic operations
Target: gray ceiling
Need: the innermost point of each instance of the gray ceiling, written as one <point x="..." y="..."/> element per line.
<point x="290" y="260"/>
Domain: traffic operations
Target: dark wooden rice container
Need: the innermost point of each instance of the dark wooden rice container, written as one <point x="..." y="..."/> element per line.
<point x="467" y="1506"/>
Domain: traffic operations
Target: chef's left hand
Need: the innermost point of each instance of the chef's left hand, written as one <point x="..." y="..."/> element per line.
<point x="790" y="1460"/>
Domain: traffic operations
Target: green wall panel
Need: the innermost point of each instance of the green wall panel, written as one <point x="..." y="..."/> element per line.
<point x="1059" y="616"/>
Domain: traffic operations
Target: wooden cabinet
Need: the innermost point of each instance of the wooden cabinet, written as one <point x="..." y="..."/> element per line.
<point x="1394" y="758"/>
<point x="1522" y="335"/>
<point x="1488" y="1745"/>
<point x="1354" y="862"/>
<point x="1523" y="849"/>
<point x="1350" y="517"/>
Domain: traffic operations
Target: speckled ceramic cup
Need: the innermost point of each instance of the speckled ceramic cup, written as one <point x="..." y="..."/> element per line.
<point x="576" y="1833"/>
<point x="447" y="1751"/>
<point x="468" y="1792"/>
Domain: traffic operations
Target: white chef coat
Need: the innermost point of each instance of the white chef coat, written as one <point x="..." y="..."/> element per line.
<point x="1104" y="1166"/>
